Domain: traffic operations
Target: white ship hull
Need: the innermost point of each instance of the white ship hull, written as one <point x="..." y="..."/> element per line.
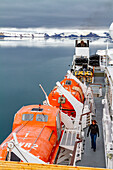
<point x="111" y="30"/>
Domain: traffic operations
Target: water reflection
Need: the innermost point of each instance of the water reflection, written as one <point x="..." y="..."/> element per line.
<point x="50" y="42"/>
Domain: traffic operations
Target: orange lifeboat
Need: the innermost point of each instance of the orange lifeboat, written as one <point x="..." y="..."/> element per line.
<point x="60" y="101"/>
<point x="38" y="131"/>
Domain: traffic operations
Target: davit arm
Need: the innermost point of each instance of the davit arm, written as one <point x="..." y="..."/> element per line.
<point x="25" y="156"/>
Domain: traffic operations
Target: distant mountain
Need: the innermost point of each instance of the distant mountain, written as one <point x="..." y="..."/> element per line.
<point x="90" y="35"/>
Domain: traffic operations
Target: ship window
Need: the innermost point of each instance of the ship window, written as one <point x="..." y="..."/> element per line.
<point x="37" y="109"/>
<point x="68" y="82"/>
<point x="26" y="117"/>
<point x="82" y="44"/>
<point x="42" y="118"/>
<point x="58" y="126"/>
<point x="61" y="100"/>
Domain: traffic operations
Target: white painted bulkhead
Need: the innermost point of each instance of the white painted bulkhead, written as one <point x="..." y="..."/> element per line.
<point x="111" y="30"/>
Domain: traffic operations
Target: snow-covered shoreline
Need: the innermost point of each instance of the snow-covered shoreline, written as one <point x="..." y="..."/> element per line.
<point x="53" y="33"/>
<point x="41" y="37"/>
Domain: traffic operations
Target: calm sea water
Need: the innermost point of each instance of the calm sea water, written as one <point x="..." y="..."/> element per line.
<point x="22" y="69"/>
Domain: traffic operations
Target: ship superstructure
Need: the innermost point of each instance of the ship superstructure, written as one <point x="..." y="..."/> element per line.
<point x="80" y="64"/>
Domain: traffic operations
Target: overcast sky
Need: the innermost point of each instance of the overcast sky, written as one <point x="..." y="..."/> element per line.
<point x="56" y="13"/>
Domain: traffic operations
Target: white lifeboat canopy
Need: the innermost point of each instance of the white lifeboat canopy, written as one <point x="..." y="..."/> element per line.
<point x="111" y="30"/>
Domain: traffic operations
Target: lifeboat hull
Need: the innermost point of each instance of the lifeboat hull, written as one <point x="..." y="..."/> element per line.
<point x="60" y="101"/>
<point x="39" y="137"/>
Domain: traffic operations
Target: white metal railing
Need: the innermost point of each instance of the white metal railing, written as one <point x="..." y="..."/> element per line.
<point x="107" y="134"/>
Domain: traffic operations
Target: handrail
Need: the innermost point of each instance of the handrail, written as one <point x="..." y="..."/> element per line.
<point x="37" y="138"/>
<point x="22" y="165"/>
<point x="50" y="135"/>
<point x="95" y="84"/>
<point x="83" y="115"/>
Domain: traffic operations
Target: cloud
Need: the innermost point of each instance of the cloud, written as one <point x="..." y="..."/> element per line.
<point x="55" y="13"/>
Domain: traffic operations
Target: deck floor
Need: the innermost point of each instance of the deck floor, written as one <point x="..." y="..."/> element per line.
<point x="91" y="158"/>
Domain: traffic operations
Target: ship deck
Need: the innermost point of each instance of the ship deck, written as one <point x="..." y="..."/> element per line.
<point x="91" y="158"/>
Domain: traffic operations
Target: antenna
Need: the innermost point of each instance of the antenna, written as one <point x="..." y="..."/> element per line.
<point x="107" y="44"/>
<point x="107" y="53"/>
<point x="45" y="94"/>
